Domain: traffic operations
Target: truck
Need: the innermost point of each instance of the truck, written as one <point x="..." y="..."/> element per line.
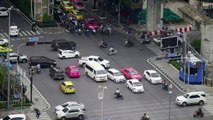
<point x="82" y="61"/>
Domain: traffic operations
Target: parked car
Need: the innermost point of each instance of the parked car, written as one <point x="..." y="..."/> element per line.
<point x="54" y="43"/>
<point x="3" y="42"/>
<point x="67" y="87"/>
<point x="152" y="76"/>
<point x="58" y="13"/>
<point x="62" y="54"/>
<point x="91" y="24"/>
<point x="103" y="62"/>
<point x="135" y="85"/>
<point x="78" y="4"/>
<point x="4" y="50"/>
<point x="131" y="73"/>
<point x="75" y="14"/>
<point x="3" y="12"/>
<point x="43" y="61"/>
<point x="70" y="104"/>
<point x="191" y="98"/>
<point x="115" y="75"/>
<point x="56" y="73"/>
<point x="14" y="57"/>
<point x="14" y="30"/>
<point x="15" y="117"/>
<point x="68" y="113"/>
<point x="66" y="6"/>
<point x="72" y="72"/>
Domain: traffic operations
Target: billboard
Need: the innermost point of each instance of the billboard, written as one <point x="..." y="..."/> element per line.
<point x="169" y="42"/>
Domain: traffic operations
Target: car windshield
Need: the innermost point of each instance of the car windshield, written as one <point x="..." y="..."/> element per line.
<point x="100" y="59"/>
<point x="3" y="10"/>
<point x="69" y="86"/>
<point x="155" y="75"/>
<point x="65" y="110"/>
<point x="137" y="84"/>
<point x="13" y="29"/>
<point x="186" y="95"/>
<point x="65" y="105"/>
<point x="117" y="73"/>
<point x="74" y="70"/>
<point x="99" y="72"/>
<point x="133" y="72"/>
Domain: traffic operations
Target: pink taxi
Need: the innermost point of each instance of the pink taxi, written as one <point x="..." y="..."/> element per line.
<point x="72" y="71"/>
<point x="131" y="73"/>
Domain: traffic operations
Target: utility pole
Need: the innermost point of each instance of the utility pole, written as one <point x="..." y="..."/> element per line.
<point x="119" y="12"/>
<point x="31" y="72"/>
<point x="184" y="56"/>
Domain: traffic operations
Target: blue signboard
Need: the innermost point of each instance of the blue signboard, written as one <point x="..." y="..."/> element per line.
<point x="33" y="39"/>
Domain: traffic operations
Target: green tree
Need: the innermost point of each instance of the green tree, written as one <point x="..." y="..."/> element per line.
<point x="2" y="76"/>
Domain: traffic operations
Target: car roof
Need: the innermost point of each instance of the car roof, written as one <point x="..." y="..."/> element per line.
<point x="71" y="102"/>
<point x="72" y="66"/>
<point x="94" y="56"/>
<point x="113" y="70"/>
<point x="68" y="82"/>
<point x="129" y="69"/>
<point x="3" y="8"/>
<point x="198" y="92"/>
<point x="152" y="71"/>
<point x="13" y="26"/>
<point x="13" y="54"/>
<point x="17" y="115"/>
<point x="57" y="68"/>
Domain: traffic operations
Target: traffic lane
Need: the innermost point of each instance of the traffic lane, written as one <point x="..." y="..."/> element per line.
<point x="45" y="78"/>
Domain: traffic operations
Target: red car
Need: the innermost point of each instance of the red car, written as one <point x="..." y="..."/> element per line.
<point x="78" y="4"/>
<point x="72" y="71"/>
<point x="91" y="24"/>
<point x="131" y="73"/>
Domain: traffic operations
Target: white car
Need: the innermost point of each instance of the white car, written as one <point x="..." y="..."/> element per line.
<point x="3" y="42"/>
<point x="68" y="54"/>
<point x="70" y="104"/>
<point x="191" y="98"/>
<point x="152" y="76"/>
<point x="115" y="75"/>
<point x="3" y="11"/>
<point x="15" y="117"/>
<point x="67" y="113"/>
<point x="135" y="85"/>
<point x="14" y="57"/>
<point x="103" y="62"/>
<point x="14" y="30"/>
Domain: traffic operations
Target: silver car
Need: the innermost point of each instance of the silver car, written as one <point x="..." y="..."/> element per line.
<point x="68" y="113"/>
<point x="14" y="57"/>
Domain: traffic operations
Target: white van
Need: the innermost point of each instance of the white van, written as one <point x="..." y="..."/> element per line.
<point x="95" y="71"/>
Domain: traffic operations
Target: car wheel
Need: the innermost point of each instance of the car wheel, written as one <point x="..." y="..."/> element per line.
<point x="86" y="73"/>
<point x="63" y="57"/>
<point x="63" y="118"/>
<point x="150" y="81"/>
<point x="127" y="86"/>
<point x="76" y="56"/>
<point x="184" y="104"/>
<point x="201" y="102"/>
<point x="5" y="44"/>
<point x="80" y="117"/>
<point x="83" y="65"/>
<point x="24" y="61"/>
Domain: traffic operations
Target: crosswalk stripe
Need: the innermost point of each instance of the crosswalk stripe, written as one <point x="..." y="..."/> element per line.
<point x="20" y="34"/>
<point x="33" y="32"/>
<point x="5" y="34"/>
<point x="43" y="116"/>
<point x="2" y="35"/>
<point x="28" y="32"/>
<point x="38" y="32"/>
<point x="24" y="33"/>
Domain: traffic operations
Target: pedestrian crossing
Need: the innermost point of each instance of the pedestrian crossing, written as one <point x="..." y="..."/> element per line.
<point x="43" y="116"/>
<point x="133" y="111"/>
<point x="209" y="104"/>
<point x="22" y="34"/>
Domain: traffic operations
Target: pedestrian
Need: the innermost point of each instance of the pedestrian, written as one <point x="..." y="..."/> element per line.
<point x="129" y="29"/>
<point x="38" y="113"/>
<point x="33" y="27"/>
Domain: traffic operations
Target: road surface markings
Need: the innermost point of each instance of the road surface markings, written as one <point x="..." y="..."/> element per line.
<point x="43" y="116"/>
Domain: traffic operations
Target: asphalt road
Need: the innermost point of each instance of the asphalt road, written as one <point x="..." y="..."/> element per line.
<point x="154" y="101"/>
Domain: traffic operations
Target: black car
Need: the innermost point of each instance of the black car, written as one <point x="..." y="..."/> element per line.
<point x="56" y="73"/>
<point x="43" y="61"/>
<point x="69" y="45"/>
<point x="58" y="14"/>
<point x="54" y="43"/>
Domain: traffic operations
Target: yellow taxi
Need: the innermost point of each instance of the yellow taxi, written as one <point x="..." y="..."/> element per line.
<point x="76" y="14"/>
<point x="67" y="87"/>
<point x="5" y="50"/>
<point x="66" y="6"/>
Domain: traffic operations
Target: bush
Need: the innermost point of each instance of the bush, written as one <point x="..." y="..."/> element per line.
<point x="176" y="64"/>
<point x="196" y="44"/>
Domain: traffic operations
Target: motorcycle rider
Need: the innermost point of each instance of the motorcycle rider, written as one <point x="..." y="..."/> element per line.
<point x="103" y="44"/>
<point x="199" y="112"/>
<point x="118" y="92"/>
<point x="145" y="117"/>
<point x="111" y="50"/>
<point x="128" y="43"/>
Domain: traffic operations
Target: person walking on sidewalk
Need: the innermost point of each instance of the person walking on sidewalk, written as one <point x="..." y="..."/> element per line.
<point x="38" y="113"/>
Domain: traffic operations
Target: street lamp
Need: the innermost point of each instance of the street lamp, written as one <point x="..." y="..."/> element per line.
<point x="101" y="97"/>
<point x="170" y="96"/>
<point x="8" y="56"/>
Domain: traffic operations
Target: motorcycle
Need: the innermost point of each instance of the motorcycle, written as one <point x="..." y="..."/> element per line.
<point x="102" y="45"/>
<point x="198" y="114"/>
<point x="118" y="96"/>
<point x="165" y="85"/>
<point x="145" y="118"/>
<point x="36" y="69"/>
<point x="128" y="44"/>
<point x="112" y="52"/>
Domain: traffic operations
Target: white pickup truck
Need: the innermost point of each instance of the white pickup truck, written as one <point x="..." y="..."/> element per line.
<point x="103" y="62"/>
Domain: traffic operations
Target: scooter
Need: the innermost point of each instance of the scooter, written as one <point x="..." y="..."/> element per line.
<point x="36" y="69"/>
<point x="118" y="96"/>
<point x="112" y="52"/>
<point x="198" y="114"/>
<point x="102" y="45"/>
<point x="128" y="44"/>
